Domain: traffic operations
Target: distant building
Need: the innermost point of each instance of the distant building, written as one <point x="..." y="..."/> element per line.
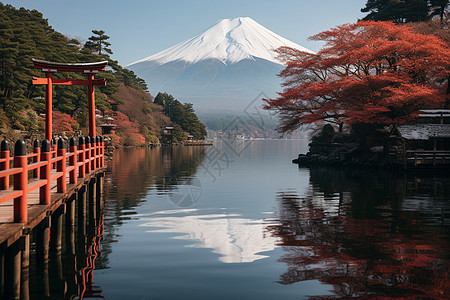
<point x="167" y="136"/>
<point x="107" y="125"/>
<point x="108" y="128"/>
<point x="167" y="130"/>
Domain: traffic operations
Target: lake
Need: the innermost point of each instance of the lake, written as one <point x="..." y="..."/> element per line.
<point x="238" y="220"/>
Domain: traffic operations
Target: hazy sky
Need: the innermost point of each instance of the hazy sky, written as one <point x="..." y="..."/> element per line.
<point x="140" y="28"/>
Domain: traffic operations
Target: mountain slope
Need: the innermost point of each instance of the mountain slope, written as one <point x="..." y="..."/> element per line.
<point x="223" y="67"/>
<point x="229" y="41"/>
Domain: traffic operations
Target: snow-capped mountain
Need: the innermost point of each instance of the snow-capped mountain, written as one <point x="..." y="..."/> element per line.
<point x="224" y="67"/>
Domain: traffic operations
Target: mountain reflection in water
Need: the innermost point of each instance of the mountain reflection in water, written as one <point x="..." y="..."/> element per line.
<point x="132" y="173"/>
<point x="236" y="239"/>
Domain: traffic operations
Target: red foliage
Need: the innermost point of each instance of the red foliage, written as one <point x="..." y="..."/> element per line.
<point x="128" y="131"/>
<point x="367" y="72"/>
<point x="361" y="258"/>
<point x="62" y="123"/>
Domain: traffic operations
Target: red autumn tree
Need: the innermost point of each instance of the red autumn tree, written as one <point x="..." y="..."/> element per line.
<point x="63" y="123"/>
<point x="128" y="131"/>
<point x="367" y="72"/>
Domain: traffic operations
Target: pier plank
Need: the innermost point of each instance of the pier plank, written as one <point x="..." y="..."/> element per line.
<point x="10" y="231"/>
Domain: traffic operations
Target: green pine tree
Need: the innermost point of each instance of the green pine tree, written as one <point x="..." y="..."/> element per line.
<point x="98" y="43"/>
<point x="398" y="11"/>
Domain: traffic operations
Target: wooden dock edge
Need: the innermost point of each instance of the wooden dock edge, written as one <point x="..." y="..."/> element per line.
<point x="11" y="232"/>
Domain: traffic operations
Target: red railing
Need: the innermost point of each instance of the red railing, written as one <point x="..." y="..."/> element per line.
<point x="45" y="165"/>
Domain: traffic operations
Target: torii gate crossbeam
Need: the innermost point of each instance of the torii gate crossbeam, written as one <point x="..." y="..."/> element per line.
<point x="90" y="69"/>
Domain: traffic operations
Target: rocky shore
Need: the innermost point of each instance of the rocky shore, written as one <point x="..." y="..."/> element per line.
<point x="343" y="154"/>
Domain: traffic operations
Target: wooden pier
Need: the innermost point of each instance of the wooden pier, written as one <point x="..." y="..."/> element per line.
<point x="36" y="190"/>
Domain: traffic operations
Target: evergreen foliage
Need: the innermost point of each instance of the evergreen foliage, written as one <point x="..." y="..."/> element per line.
<point x="182" y="114"/>
<point x="25" y="34"/>
<point x="403" y="11"/>
<point x="98" y="43"/>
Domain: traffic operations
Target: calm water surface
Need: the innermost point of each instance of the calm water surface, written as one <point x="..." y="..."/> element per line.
<point x="238" y="220"/>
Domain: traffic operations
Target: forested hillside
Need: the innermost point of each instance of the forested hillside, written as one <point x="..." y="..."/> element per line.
<point x="182" y="114"/>
<point x="25" y="34"/>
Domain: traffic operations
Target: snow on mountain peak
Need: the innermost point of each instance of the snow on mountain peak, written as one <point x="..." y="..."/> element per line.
<point x="230" y="41"/>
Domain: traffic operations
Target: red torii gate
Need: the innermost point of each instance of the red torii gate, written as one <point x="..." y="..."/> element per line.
<point x="90" y="69"/>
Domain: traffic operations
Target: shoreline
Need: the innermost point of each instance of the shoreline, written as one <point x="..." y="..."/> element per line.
<point x="351" y="156"/>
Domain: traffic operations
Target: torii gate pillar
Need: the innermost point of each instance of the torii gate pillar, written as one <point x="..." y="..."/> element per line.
<point x="91" y="104"/>
<point x="89" y="69"/>
<point x="49" y="107"/>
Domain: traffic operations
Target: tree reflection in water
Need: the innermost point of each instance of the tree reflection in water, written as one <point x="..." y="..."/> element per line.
<point x="69" y="273"/>
<point x="133" y="172"/>
<point x="368" y="234"/>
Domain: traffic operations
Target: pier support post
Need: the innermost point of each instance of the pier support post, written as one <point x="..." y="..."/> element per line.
<point x="13" y="268"/>
<point x="57" y="284"/>
<point x="70" y="268"/>
<point x="2" y="272"/>
<point x="82" y="210"/>
<point x="92" y="201"/>
<point x="25" y="281"/>
<point x="80" y="257"/>
<point x="100" y="180"/>
<point x="42" y="249"/>
<point x="56" y="229"/>
<point x="70" y="224"/>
